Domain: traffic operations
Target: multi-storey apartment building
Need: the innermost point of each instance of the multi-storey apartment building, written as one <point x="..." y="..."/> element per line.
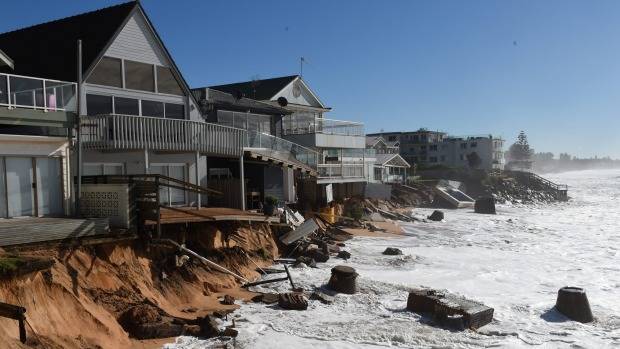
<point x="426" y="148"/>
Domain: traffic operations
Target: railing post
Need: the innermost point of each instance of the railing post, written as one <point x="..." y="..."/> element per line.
<point x="242" y="180"/>
<point x="198" y="179"/>
<point x="157" y="198"/>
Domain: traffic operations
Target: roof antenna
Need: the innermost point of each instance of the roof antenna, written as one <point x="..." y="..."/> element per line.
<point x="301" y="66"/>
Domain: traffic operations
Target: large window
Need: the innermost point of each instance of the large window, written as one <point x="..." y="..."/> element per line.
<point x="152" y="108"/>
<point x="98" y="105"/>
<point x="175" y="111"/>
<point x="107" y="72"/>
<point x="139" y="76"/>
<point x="166" y="82"/>
<point x="126" y="106"/>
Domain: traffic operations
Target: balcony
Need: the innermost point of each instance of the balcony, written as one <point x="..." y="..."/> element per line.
<point x="340" y="173"/>
<point x="33" y="101"/>
<point x="312" y="131"/>
<point x="127" y="132"/>
<point x="278" y="149"/>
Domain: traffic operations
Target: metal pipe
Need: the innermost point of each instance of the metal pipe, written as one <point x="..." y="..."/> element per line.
<point x="204" y="260"/>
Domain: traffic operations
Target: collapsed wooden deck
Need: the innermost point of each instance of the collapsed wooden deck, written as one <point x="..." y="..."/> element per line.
<point x="174" y="215"/>
<point x="29" y="230"/>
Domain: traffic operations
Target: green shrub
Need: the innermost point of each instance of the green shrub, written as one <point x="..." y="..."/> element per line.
<point x="8" y="264"/>
<point x="270" y="200"/>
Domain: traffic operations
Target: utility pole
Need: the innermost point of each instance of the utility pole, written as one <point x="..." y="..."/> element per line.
<point x="301" y="66"/>
<point x="79" y="127"/>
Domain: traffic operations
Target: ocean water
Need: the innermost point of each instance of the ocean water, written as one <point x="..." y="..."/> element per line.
<point x="514" y="261"/>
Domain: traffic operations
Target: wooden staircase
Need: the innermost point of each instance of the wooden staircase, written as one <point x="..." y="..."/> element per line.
<point x="532" y="180"/>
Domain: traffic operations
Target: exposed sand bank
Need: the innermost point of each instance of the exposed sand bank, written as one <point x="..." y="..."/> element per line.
<point x="77" y="302"/>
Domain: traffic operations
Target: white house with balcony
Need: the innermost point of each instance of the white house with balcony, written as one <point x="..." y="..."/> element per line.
<point x="137" y="113"/>
<point x="340" y="144"/>
<point x="36" y="118"/>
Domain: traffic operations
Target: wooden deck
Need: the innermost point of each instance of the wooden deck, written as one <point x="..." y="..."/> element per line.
<point x="29" y="230"/>
<point x="209" y="214"/>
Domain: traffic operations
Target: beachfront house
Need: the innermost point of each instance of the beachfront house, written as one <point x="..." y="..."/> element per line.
<point x="340" y="144"/>
<point x="273" y="165"/>
<point x="137" y="113"/>
<point x="36" y="118"/>
<point x="385" y="165"/>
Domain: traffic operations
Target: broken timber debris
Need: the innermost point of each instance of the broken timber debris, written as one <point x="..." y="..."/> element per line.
<point x="16" y="313"/>
<point x="449" y="310"/>
<point x="269" y="281"/>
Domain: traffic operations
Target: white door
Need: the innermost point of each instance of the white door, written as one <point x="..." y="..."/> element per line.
<point x="49" y="187"/>
<point x="19" y="182"/>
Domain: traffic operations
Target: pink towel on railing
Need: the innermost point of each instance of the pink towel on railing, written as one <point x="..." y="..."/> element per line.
<point x="51" y="102"/>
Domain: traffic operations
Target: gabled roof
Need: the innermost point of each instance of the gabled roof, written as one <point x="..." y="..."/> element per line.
<point x="372" y="141"/>
<point x="5" y="60"/>
<point x="391" y="160"/>
<point x="49" y="50"/>
<point x="262" y="90"/>
<point x="226" y="101"/>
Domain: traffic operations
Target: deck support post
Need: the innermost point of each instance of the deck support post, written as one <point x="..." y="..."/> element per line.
<point x="206" y="179"/>
<point x="242" y="182"/>
<point x="198" y="195"/>
<point x="146" y="161"/>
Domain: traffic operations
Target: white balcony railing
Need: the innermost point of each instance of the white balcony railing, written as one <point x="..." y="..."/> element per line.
<point x="307" y="124"/>
<point x="261" y="140"/>
<point x="18" y="91"/>
<point x="126" y="132"/>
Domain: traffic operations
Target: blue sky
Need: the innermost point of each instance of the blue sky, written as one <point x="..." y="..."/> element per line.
<point x="550" y="68"/>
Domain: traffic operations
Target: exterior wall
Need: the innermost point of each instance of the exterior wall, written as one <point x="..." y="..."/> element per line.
<point x="305" y="96"/>
<point x="135" y="42"/>
<point x="133" y="163"/>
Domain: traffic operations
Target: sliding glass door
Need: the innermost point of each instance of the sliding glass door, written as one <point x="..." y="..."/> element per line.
<point x="171" y="196"/>
<point x="19" y="183"/>
<point x="49" y="187"/>
<point x="30" y="186"/>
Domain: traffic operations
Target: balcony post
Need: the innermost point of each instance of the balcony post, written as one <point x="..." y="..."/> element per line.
<point x="341" y="163"/>
<point x="198" y="179"/>
<point x="242" y="182"/>
<point x="146" y="160"/>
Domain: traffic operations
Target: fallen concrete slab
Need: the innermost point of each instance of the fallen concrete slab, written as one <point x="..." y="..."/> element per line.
<point x="450" y="310"/>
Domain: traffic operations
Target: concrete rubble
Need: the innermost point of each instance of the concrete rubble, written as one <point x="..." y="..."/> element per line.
<point x="449" y="310"/>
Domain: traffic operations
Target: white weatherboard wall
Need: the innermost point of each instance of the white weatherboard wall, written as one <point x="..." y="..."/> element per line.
<point x="136" y="42"/>
<point x="305" y="97"/>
